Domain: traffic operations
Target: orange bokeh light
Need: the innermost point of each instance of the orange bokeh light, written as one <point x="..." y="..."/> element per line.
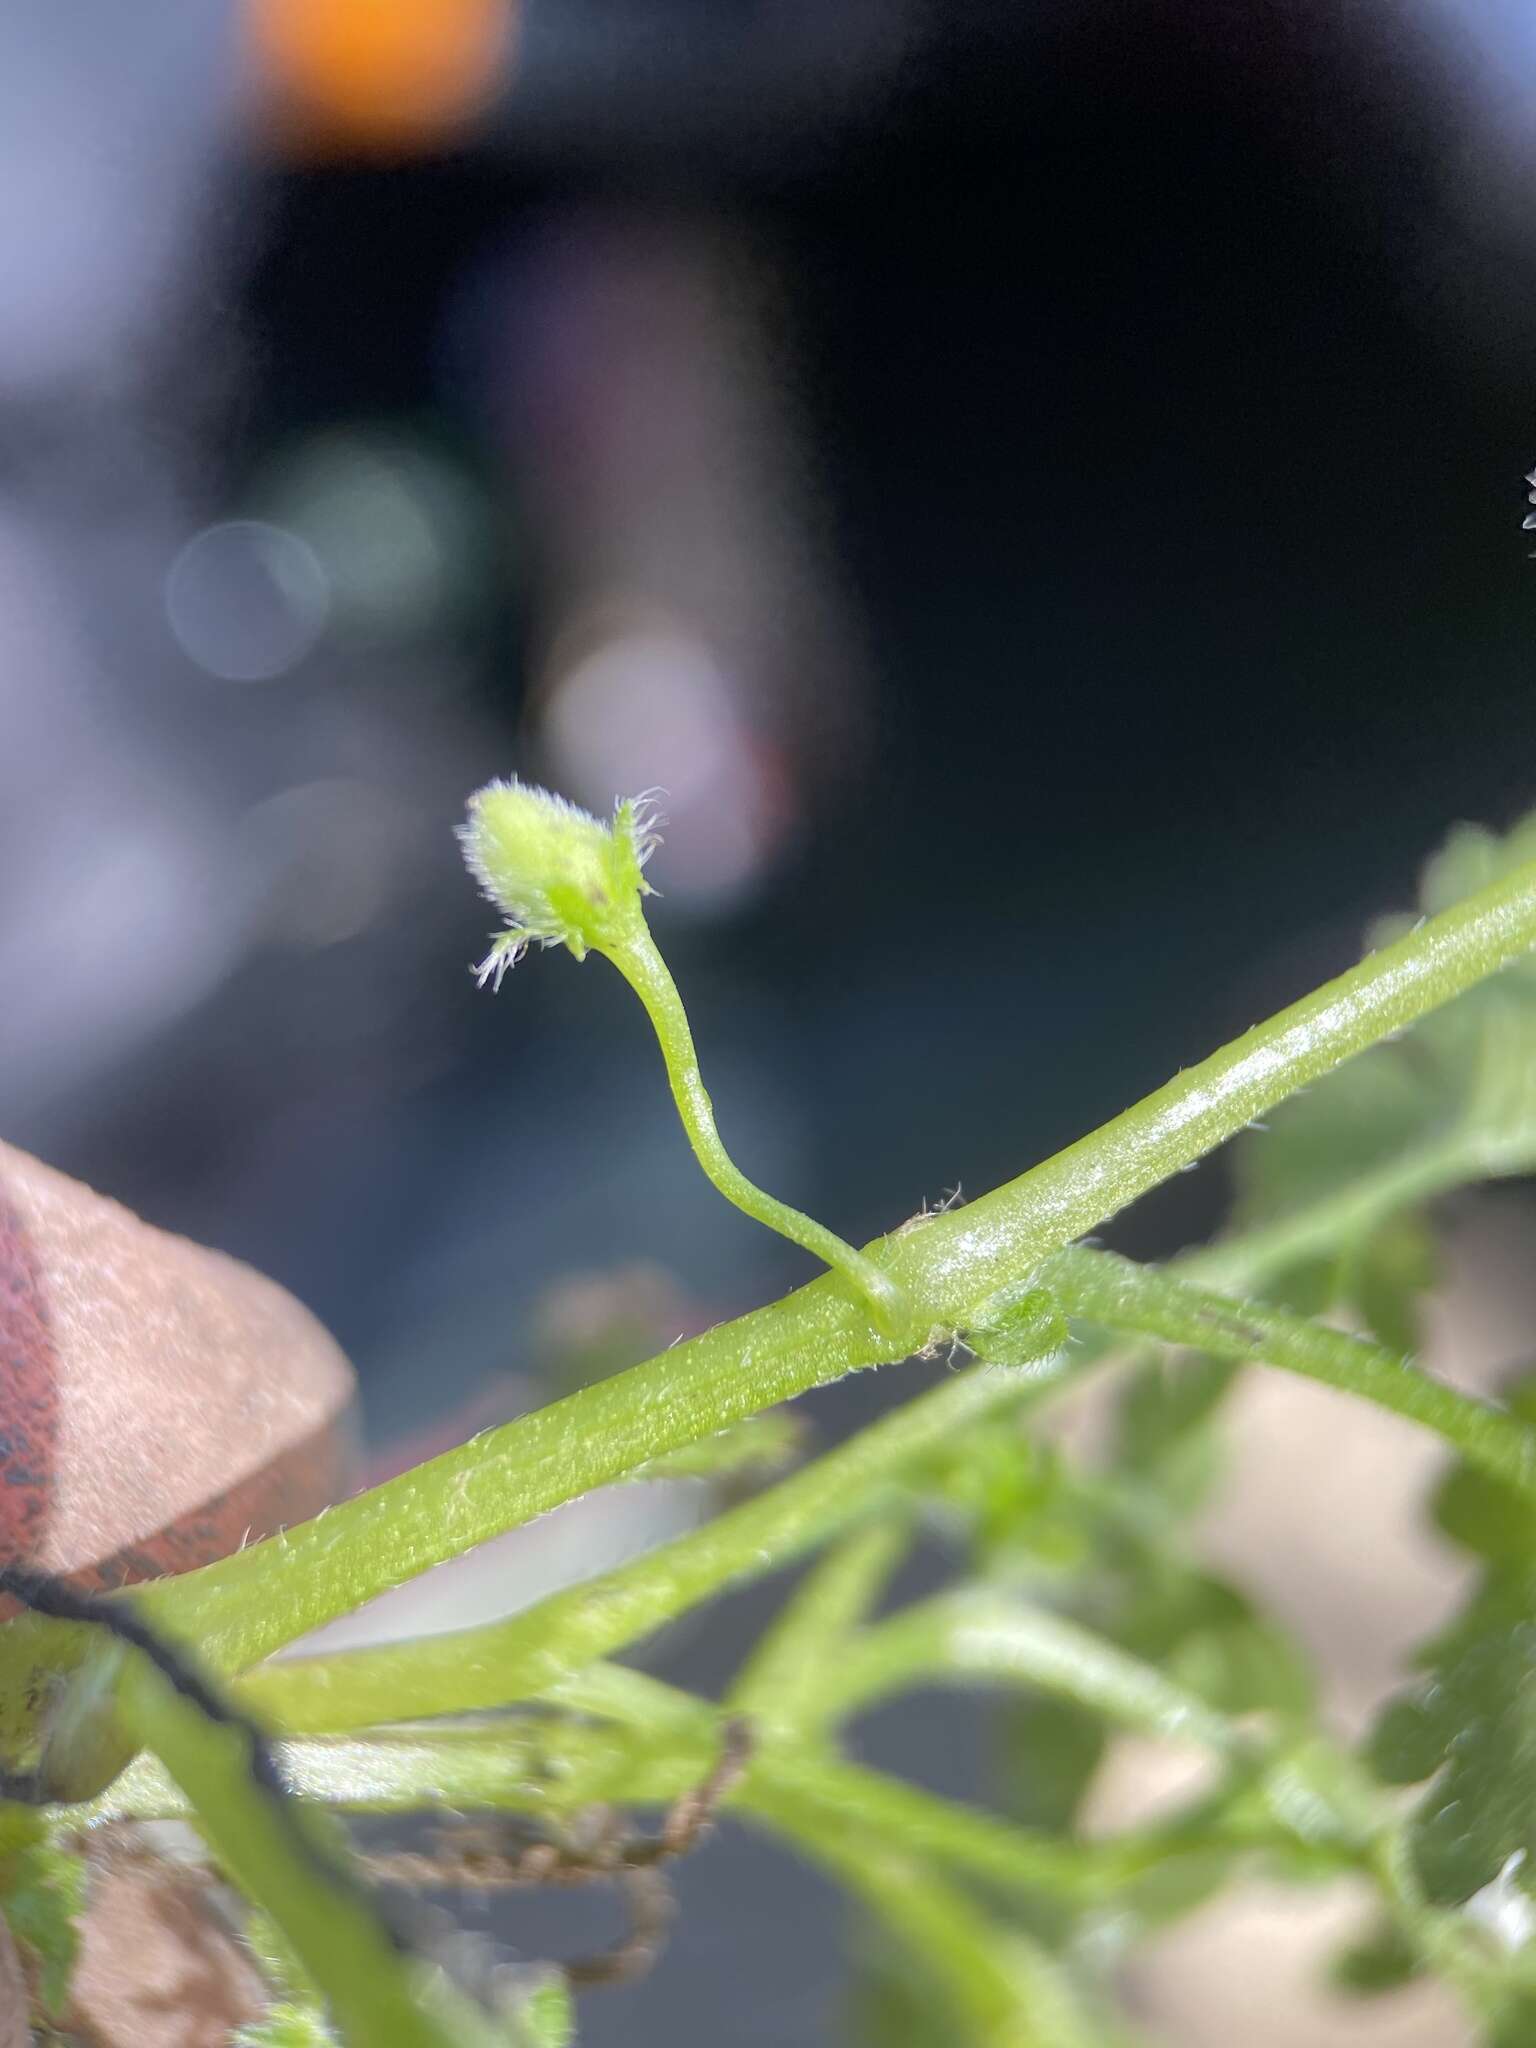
<point x="340" y="77"/>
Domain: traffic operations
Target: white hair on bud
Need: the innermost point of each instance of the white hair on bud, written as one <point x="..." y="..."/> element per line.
<point x="646" y="820"/>
<point x="507" y="948"/>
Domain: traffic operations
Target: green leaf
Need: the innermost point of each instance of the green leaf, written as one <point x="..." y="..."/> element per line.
<point x="1051" y="1749"/>
<point x="1152" y="1600"/>
<point x="1015" y="1496"/>
<point x="1354" y="1120"/>
<point x="1471" y="858"/>
<point x="1171" y="1889"/>
<point x="1377" y="1268"/>
<point x="1223" y="1649"/>
<point x="1479" y="1512"/>
<point x="1116" y="1543"/>
<point x="43" y="1896"/>
<point x="1471" y="1725"/>
<point x="1383" y="1959"/>
<point x="1390" y="1271"/>
<point x="1164" y="1425"/>
<point x="1515" y="2026"/>
<point x="1165" y="1397"/>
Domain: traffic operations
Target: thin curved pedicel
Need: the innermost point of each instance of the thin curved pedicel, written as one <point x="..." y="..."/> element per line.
<point x="560" y="877"/>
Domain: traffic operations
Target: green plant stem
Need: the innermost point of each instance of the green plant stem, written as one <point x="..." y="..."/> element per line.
<point x="778" y="1682"/>
<point x="963" y="1838"/>
<point x="660" y="1741"/>
<point x="761" y="1444"/>
<point x="631" y="1698"/>
<point x="669" y="1723"/>
<point x="642" y="966"/>
<point x="979" y="1634"/>
<point x="246" y="1606"/>
<point x="542" y="1768"/>
<point x="497" y="1769"/>
<point x="493" y="1665"/>
<point x="1114" y="1291"/>
<point x="656" y="1743"/>
<point x="1072" y="1193"/>
<point x="1254" y="1257"/>
<point x="1003" y="1992"/>
<point x="272" y="1850"/>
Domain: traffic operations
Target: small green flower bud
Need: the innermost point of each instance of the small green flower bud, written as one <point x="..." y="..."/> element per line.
<point x="557" y="874"/>
<point x="562" y="878"/>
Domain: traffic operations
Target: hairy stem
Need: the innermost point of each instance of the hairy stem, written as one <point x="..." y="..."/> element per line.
<point x="1002" y="1991"/>
<point x="642" y="966"/>
<point x="978" y="1635"/>
<point x="1114" y="1291"/>
<point x="545" y="1773"/>
<point x="776" y="1685"/>
<point x="246" y="1606"/>
<point x="964" y="1838"/>
<point x="492" y="1665"/>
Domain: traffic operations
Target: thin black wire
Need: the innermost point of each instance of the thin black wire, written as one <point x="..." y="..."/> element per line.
<point x="56" y="1600"/>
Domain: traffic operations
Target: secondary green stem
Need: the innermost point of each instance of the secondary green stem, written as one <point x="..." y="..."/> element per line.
<point x="776" y="1685"/>
<point x="642" y="966"/>
<point x="1256" y="1256"/>
<point x="1021" y="1860"/>
<point x="1114" y="1291"/>
<point x="978" y="1635"/>
<point x="1003" y="1991"/>
<point x="546" y="1770"/>
<point x="642" y="1742"/>
<point x="503" y="1661"/>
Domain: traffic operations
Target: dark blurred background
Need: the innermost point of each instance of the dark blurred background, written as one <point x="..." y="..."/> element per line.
<point x="1039" y="487"/>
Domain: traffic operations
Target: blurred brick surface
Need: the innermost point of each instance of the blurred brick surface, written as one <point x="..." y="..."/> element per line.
<point x="158" y="1968"/>
<point x="159" y="1403"/>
